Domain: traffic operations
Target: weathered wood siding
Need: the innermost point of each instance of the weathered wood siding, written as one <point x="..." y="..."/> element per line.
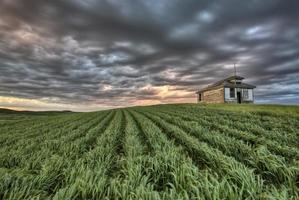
<point x="214" y="96"/>
<point x="250" y="95"/>
<point x="229" y="99"/>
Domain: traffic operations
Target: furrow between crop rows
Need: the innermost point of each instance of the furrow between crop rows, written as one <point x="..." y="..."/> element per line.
<point x="272" y="168"/>
<point x="290" y="153"/>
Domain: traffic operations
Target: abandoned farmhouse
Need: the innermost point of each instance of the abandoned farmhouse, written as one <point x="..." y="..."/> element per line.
<point x="229" y="90"/>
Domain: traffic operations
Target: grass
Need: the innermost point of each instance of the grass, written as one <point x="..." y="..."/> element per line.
<point x="267" y="108"/>
<point x="178" y="151"/>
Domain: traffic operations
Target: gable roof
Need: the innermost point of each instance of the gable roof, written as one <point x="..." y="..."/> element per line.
<point x="225" y="83"/>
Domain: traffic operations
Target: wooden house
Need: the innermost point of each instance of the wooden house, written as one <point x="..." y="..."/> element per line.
<point x="229" y="90"/>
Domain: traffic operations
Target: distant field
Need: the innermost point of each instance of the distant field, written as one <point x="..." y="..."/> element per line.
<point x="186" y="151"/>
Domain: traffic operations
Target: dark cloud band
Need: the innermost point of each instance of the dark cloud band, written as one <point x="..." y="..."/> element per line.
<point x="108" y="52"/>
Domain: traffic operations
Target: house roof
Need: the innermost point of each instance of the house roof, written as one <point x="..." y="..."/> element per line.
<point x="225" y="83"/>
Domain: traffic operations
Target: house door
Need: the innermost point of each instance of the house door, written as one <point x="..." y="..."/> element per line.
<point x="239" y="97"/>
<point x="199" y="98"/>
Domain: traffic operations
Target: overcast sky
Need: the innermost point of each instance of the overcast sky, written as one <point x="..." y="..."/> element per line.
<point x="97" y="54"/>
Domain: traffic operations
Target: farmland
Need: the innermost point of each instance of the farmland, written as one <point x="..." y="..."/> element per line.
<point x="184" y="151"/>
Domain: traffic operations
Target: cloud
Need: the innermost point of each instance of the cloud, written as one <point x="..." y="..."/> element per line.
<point x="106" y="52"/>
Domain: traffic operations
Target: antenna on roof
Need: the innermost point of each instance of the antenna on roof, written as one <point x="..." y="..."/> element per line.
<point x="235" y="69"/>
<point x="235" y="72"/>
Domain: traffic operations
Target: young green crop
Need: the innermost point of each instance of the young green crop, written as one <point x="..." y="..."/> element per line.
<point x="186" y="151"/>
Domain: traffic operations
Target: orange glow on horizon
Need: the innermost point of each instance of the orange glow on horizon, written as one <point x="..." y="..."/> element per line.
<point x="13" y="108"/>
<point x="156" y="95"/>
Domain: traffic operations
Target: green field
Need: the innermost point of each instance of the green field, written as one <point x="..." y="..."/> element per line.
<point x="186" y="151"/>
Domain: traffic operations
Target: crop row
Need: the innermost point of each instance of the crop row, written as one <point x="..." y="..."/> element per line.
<point x="162" y="152"/>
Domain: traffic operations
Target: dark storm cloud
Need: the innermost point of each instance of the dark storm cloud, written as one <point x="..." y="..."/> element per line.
<point x="119" y="52"/>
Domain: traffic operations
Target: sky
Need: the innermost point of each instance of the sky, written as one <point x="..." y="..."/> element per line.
<point x="100" y="54"/>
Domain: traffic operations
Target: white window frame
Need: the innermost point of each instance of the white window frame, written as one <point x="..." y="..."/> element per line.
<point x="230" y="93"/>
<point x="245" y="94"/>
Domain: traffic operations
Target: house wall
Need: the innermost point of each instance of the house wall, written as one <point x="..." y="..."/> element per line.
<point x="250" y="94"/>
<point x="226" y="93"/>
<point x="213" y="96"/>
<point x="228" y="99"/>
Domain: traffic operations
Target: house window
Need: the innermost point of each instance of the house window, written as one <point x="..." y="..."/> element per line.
<point x="245" y="93"/>
<point x="232" y="92"/>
